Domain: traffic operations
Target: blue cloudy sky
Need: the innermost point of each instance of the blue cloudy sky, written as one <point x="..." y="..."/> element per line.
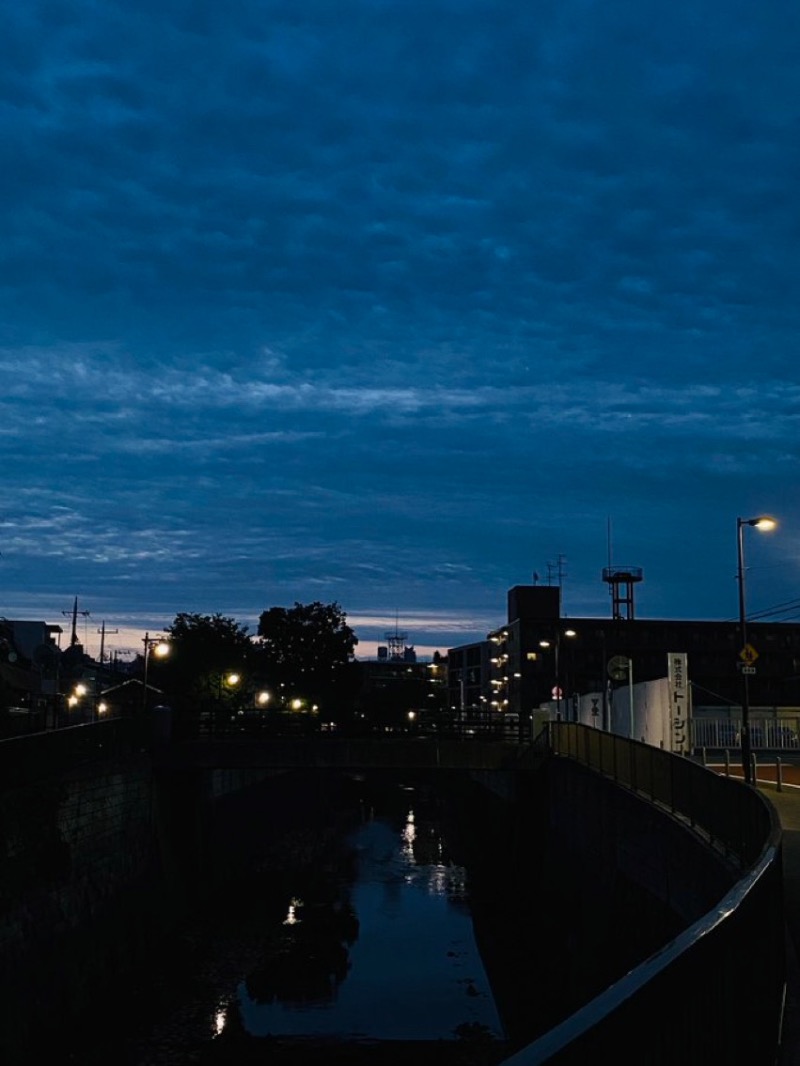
<point x="394" y="303"/>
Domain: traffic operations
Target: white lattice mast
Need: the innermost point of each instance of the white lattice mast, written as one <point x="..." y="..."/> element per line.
<point x="396" y="642"/>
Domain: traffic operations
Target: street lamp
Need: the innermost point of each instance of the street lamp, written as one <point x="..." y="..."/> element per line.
<point x="765" y="524"/>
<point x="228" y="681"/>
<point x="546" y="644"/>
<point x="159" y="648"/>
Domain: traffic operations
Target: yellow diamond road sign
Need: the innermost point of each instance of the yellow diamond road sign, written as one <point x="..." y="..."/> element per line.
<point x="748" y="654"/>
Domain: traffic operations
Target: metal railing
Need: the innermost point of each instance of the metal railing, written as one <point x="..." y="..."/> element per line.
<point x="728" y="816"/>
<point x="224" y="723"/>
<point x="38" y="756"/>
<point x="732" y="960"/>
<point x="774" y="734"/>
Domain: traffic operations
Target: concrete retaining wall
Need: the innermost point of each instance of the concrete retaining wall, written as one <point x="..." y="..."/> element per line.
<point x="79" y="877"/>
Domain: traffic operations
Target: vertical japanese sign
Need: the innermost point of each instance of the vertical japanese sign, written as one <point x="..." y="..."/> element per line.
<point x="679" y="702"/>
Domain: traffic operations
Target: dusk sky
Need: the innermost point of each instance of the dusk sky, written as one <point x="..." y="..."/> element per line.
<point x="396" y="303"/>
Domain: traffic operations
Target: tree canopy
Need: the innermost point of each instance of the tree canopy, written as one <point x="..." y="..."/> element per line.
<point x="204" y="649"/>
<point x="309" y="648"/>
<point x="302" y="654"/>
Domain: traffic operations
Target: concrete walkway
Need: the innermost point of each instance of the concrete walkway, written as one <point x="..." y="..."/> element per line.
<point x="786" y="801"/>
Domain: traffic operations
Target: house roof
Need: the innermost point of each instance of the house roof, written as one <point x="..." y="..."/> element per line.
<point x="133" y="684"/>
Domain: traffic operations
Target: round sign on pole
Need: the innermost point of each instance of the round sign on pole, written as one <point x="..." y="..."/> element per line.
<point x="556" y="692"/>
<point x="618" y="667"/>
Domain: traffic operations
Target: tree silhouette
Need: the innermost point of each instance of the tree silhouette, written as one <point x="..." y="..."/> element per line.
<point x="204" y="648"/>
<point x="307" y="652"/>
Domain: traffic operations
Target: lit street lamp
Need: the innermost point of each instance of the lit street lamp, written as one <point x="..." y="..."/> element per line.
<point x="765" y="524"/>
<point x="78" y="692"/>
<point x="159" y="648"/>
<point x="557" y="690"/>
<point x="228" y="681"/>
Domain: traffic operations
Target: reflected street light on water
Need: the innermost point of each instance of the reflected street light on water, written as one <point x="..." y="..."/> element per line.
<point x="765" y="524"/>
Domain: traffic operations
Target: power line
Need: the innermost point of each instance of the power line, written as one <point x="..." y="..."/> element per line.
<point x="786" y="607"/>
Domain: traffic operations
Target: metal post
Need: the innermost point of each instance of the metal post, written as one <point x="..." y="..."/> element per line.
<point x="146" y="661"/>
<point x="762" y="522"/>
<point x="746" y="746"/>
<point x="630" y="693"/>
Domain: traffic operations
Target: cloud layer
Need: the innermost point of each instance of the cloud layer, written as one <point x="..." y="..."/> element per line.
<point x="396" y="304"/>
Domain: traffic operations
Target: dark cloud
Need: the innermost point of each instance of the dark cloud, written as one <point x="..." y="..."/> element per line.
<point x="393" y="304"/>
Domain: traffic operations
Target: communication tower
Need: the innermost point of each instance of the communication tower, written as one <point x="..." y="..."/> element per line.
<point x="396" y="649"/>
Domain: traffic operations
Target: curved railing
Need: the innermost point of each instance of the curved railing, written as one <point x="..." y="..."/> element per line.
<point x="716" y="992"/>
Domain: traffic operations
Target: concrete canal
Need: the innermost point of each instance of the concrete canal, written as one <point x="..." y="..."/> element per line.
<point x="348" y="929"/>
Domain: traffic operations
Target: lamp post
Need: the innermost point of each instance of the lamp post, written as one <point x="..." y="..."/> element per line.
<point x="79" y="690"/>
<point x="557" y="663"/>
<point x="228" y="681"/>
<point x="160" y="648"/>
<point x="763" y="523"/>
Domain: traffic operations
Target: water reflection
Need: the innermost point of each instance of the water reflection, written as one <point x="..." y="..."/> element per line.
<point x="309" y="959"/>
<point x="385" y="951"/>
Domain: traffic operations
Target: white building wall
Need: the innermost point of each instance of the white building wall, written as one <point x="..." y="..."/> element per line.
<point x="652" y="712"/>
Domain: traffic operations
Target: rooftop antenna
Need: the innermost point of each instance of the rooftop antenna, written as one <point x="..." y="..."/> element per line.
<point x="608" y="537"/>
<point x="608" y="544"/>
<point x="620" y="581"/>
<point x="558" y="569"/>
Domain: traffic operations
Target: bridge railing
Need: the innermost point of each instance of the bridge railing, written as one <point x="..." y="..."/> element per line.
<point x="53" y="752"/>
<point x="732" y="960"/>
<point x="225" y="724"/>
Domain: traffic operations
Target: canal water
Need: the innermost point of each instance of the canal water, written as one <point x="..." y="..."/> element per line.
<point x="388" y="955"/>
<point x="352" y="928"/>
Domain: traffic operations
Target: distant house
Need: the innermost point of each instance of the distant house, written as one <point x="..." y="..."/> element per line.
<point x="29" y="658"/>
<point x="30" y="637"/>
<point x="127" y="697"/>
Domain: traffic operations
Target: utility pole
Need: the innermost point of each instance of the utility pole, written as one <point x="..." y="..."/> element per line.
<point x="102" y="631"/>
<point x="558" y="569"/>
<point x="75" y="612"/>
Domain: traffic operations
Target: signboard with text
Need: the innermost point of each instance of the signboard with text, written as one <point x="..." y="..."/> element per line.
<point x="679" y="702"/>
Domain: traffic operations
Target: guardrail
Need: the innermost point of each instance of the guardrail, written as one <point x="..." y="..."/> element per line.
<point x="730" y="964"/>
<point x="771" y="734"/>
<point x="223" y="723"/>
<point x="730" y="817"/>
<point x="38" y="756"/>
